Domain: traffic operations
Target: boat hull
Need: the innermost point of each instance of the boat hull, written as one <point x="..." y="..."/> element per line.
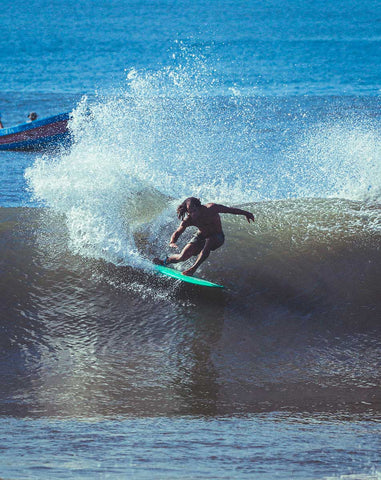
<point x="37" y="135"/>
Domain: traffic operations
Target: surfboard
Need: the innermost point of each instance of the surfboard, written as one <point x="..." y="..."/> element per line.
<point x="170" y="272"/>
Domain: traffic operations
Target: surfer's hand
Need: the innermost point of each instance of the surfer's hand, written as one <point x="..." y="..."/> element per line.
<point x="249" y="216"/>
<point x="173" y="245"/>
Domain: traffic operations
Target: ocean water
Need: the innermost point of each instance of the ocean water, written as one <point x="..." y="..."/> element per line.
<point x="110" y="371"/>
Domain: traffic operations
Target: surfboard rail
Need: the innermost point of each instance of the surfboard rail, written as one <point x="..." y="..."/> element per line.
<point x="170" y="272"/>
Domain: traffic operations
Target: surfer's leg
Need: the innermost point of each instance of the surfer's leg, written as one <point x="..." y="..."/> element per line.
<point x="203" y="255"/>
<point x="188" y="251"/>
<point x="212" y="243"/>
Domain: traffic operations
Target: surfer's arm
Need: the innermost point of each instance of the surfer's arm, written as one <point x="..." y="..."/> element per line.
<point x="234" y="211"/>
<point x="176" y="235"/>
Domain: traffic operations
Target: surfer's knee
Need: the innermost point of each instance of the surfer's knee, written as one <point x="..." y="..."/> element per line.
<point x="188" y="252"/>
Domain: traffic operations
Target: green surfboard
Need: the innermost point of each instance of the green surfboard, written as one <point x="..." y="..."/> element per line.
<point x="170" y="272"/>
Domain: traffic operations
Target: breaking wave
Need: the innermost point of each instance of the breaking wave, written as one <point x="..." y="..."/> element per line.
<point x="167" y="135"/>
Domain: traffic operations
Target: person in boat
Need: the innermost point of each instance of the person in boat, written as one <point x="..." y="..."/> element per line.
<point x="1" y="123"/>
<point x="209" y="236"/>
<point x="32" y="117"/>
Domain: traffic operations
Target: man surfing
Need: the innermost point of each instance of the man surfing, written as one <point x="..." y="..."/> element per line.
<point x="209" y="236"/>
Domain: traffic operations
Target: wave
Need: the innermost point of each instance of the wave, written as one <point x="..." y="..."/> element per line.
<point x="321" y="249"/>
<point x="296" y="327"/>
<point x="160" y="138"/>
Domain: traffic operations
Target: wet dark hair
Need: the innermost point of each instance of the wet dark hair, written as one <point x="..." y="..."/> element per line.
<point x="182" y="208"/>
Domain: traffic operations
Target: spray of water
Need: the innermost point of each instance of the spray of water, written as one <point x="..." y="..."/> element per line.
<point x="339" y="160"/>
<point x="164" y="136"/>
<point x="156" y="140"/>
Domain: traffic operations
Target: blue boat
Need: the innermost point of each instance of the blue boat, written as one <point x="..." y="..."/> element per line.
<point x="37" y="135"/>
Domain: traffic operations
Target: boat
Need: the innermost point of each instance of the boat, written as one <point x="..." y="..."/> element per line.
<point x="37" y="135"/>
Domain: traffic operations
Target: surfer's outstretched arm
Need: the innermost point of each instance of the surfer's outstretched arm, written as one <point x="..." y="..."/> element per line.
<point x="234" y="211"/>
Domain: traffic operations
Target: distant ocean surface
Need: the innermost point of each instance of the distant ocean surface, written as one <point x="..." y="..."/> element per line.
<point x="110" y="371"/>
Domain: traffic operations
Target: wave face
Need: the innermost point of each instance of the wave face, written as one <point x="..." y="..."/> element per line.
<point x="160" y="138"/>
<point x="296" y="328"/>
<point x="297" y="325"/>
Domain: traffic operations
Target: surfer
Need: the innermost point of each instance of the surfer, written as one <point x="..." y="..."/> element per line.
<point x="209" y="236"/>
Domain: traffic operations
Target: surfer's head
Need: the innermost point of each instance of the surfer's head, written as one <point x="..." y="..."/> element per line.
<point x="188" y="205"/>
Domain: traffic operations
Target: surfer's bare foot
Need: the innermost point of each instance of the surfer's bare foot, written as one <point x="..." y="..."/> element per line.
<point x="157" y="261"/>
<point x="189" y="272"/>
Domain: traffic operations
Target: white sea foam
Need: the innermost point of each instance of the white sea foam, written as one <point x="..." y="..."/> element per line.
<point x="160" y="139"/>
<point x="340" y="159"/>
<point x="134" y="151"/>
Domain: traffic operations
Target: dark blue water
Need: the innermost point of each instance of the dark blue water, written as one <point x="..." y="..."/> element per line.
<point x="261" y="47"/>
<point x="108" y="371"/>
